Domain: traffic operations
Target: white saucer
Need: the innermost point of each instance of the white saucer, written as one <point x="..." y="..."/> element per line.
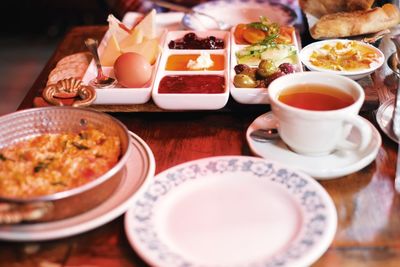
<point x="231" y="211"/>
<point x="334" y="165"/>
<point x="138" y="173"/>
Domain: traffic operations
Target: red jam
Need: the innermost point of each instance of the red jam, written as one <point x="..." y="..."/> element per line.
<point x="192" y="84"/>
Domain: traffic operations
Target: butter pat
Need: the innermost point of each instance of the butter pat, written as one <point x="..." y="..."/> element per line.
<point x="204" y="61"/>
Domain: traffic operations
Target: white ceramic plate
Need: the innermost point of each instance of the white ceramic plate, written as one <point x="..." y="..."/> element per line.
<point x="138" y="173"/>
<point x="192" y="101"/>
<point x="254" y="95"/>
<point x="306" y="52"/>
<point x="231" y="211"/>
<point x="238" y="11"/>
<point x="334" y="165"/>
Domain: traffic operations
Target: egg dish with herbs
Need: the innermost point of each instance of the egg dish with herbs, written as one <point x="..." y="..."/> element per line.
<point x="52" y="163"/>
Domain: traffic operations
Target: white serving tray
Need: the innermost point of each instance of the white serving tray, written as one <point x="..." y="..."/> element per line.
<point x="253" y="95"/>
<point x="192" y="101"/>
<point x="127" y="96"/>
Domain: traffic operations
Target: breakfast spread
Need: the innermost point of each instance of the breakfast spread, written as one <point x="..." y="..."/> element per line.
<point x="51" y="163"/>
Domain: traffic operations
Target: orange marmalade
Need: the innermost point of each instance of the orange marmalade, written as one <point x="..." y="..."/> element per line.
<point x="51" y="163"/>
<point x="348" y="56"/>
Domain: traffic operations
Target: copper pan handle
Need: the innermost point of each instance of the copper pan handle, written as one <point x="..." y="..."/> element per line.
<point x="11" y="213"/>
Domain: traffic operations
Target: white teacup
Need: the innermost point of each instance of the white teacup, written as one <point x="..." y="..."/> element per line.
<point x="315" y="132"/>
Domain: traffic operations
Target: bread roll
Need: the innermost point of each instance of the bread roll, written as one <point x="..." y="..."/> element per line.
<point x="318" y="8"/>
<point x="344" y="24"/>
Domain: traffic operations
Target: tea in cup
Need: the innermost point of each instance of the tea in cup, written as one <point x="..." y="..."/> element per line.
<point x="316" y="112"/>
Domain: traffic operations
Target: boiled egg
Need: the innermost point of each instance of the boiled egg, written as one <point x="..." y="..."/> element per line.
<point x="132" y="70"/>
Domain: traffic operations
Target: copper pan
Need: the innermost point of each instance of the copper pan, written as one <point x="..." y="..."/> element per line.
<point x="22" y="125"/>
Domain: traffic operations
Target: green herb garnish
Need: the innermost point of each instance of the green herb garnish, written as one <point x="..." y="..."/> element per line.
<point x="80" y="146"/>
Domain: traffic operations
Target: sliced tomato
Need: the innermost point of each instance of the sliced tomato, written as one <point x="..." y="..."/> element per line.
<point x="238" y="34"/>
<point x="253" y="35"/>
<point x="285" y="35"/>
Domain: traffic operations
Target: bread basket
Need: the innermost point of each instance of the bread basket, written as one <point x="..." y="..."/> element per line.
<point x="22" y="125"/>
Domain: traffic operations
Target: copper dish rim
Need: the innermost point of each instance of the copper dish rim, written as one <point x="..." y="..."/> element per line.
<point x="87" y="186"/>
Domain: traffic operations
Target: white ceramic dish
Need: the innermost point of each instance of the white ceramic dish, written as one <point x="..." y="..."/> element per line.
<point x="306" y="52"/>
<point x="138" y="173"/>
<point x="239" y="11"/>
<point x="254" y="95"/>
<point x="232" y="211"/>
<point x="192" y="101"/>
<point x="325" y="167"/>
<point x="119" y="94"/>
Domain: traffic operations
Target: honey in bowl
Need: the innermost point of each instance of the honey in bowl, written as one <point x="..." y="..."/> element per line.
<point x="315" y="97"/>
<point x="180" y="62"/>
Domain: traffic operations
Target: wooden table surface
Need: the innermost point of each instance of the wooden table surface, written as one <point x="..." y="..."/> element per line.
<point x="368" y="207"/>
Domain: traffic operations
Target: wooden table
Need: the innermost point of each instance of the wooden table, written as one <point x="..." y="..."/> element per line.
<point x="368" y="207"/>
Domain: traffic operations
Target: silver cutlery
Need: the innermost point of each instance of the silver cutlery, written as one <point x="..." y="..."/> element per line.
<point x="101" y="80"/>
<point x="264" y="135"/>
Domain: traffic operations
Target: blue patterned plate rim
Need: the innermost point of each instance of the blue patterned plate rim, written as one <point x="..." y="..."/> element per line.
<point x="291" y="16"/>
<point x="318" y="213"/>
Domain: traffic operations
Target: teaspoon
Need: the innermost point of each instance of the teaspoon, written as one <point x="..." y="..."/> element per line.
<point x="264" y="135"/>
<point x="101" y="80"/>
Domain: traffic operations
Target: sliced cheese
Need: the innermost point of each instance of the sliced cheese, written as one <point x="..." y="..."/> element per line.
<point x="117" y="28"/>
<point x="150" y="49"/>
<point x="111" y="52"/>
<point x="136" y="37"/>
<point x="148" y="25"/>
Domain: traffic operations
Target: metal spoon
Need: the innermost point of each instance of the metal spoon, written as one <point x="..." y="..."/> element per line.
<point x="264" y="135"/>
<point x="101" y="81"/>
<point x="221" y="25"/>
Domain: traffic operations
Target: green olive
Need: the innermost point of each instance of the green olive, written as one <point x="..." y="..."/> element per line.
<point x="251" y="72"/>
<point x="244" y="81"/>
<point x="266" y="68"/>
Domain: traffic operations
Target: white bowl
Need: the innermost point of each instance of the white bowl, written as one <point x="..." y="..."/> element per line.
<point x="306" y="52"/>
<point x="192" y="101"/>
<point x="253" y="95"/>
<point x="120" y="95"/>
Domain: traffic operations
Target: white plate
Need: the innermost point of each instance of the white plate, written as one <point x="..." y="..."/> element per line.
<point x="334" y="165"/>
<point x="190" y="101"/>
<point x="127" y="96"/>
<point x="239" y="11"/>
<point x="231" y="211"/>
<point x="384" y="118"/>
<point x="306" y="52"/>
<point x="138" y="173"/>
<point x="254" y="95"/>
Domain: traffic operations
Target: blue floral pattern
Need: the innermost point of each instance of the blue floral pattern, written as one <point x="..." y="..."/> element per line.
<point x="315" y="212"/>
<point x="289" y="8"/>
